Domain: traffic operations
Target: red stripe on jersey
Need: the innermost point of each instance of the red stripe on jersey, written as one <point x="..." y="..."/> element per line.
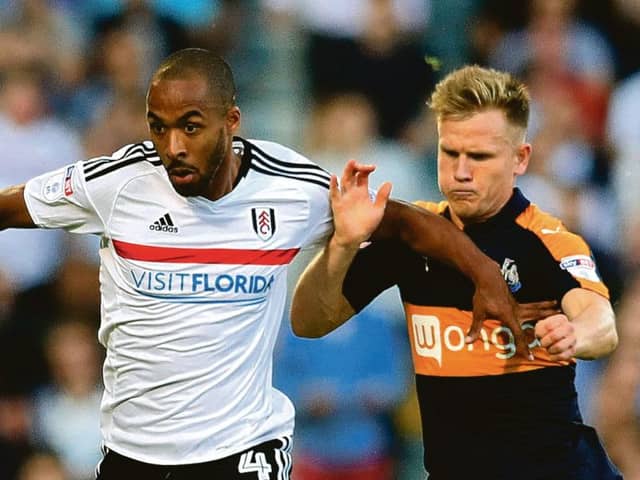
<point x="148" y="253"/>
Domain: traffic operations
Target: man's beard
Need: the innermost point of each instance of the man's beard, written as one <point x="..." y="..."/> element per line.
<point x="206" y="178"/>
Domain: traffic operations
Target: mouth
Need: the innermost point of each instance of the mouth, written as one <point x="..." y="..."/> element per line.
<point x="462" y="194"/>
<point x="182" y="175"/>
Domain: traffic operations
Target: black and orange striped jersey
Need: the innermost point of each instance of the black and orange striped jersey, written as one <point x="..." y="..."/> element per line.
<point x="484" y="408"/>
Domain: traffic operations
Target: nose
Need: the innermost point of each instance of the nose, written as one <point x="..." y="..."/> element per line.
<point x="462" y="170"/>
<point x="176" y="147"/>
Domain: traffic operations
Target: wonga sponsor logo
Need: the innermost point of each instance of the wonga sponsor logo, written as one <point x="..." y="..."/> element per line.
<point x="438" y="336"/>
<point x="430" y="339"/>
<point x="426" y="334"/>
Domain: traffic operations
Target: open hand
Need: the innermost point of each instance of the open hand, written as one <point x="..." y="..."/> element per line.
<point x="355" y="214"/>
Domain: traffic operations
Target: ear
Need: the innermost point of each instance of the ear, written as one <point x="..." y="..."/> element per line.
<point x="233" y="119"/>
<point x="523" y="153"/>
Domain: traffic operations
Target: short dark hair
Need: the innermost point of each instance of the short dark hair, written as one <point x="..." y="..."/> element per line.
<point x="203" y="62"/>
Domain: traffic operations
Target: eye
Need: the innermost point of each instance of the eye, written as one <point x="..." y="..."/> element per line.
<point x="191" y="128"/>
<point x="480" y="156"/>
<point x="448" y="152"/>
<point x="156" y="128"/>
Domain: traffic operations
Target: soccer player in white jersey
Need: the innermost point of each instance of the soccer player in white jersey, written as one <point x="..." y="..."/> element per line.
<point x="197" y="228"/>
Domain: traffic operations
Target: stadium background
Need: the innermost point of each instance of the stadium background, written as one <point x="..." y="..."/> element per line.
<point x="335" y="79"/>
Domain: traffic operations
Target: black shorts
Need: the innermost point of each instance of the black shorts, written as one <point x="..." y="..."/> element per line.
<point x="268" y="461"/>
<point x="583" y="459"/>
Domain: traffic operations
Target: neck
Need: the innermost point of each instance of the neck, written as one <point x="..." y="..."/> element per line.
<point x="225" y="177"/>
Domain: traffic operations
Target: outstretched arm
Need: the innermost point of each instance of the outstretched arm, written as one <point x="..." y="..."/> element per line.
<point x="13" y="209"/>
<point x="318" y="305"/>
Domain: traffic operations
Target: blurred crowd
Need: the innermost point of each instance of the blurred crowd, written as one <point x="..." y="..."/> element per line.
<point x="334" y="79"/>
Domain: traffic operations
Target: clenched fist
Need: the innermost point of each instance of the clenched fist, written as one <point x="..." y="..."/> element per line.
<point x="557" y="335"/>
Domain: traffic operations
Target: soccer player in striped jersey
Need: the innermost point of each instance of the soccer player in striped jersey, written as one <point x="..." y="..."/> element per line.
<point x="487" y="413"/>
<point x="197" y="228"/>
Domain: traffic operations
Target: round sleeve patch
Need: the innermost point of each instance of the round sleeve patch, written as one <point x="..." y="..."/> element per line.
<point x="52" y="187"/>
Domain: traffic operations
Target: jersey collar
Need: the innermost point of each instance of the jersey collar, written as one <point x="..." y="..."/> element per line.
<point x="243" y="148"/>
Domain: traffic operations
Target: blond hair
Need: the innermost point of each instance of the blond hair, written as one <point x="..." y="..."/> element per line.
<point x="473" y="89"/>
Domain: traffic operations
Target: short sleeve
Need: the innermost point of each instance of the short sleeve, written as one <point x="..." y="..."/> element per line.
<point x="375" y="268"/>
<point x="575" y="257"/>
<point x="320" y="218"/>
<point x="59" y="199"/>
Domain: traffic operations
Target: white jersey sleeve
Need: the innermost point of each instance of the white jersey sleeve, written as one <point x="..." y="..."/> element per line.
<point x="79" y="198"/>
<point x="60" y="199"/>
<point x="320" y="219"/>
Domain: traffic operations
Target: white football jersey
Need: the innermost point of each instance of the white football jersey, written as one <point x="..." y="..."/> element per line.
<point x="193" y="292"/>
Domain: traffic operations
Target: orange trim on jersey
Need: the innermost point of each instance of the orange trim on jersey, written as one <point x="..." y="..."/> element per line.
<point x="437" y="345"/>
<point x="227" y="256"/>
<point x="569" y="249"/>
<point x="561" y="243"/>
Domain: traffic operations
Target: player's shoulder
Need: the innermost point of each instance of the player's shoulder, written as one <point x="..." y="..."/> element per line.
<point x="126" y="162"/>
<point x="569" y="249"/>
<point x="434" y="207"/>
<point x="262" y="150"/>
<point x="535" y="219"/>
<point x="278" y="161"/>
<point x="275" y="149"/>
<point x="137" y="149"/>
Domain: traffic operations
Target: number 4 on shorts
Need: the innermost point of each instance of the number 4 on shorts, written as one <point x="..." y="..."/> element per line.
<point x="258" y="464"/>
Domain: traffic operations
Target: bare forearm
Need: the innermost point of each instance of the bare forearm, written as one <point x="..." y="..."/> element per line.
<point x="595" y="341"/>
<point x="434" y="236"/>
<point x="318" y="306"/>
<point x="13" y="209"/>
<point x="595" y="329"/>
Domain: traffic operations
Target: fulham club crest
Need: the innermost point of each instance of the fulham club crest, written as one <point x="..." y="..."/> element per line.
<point x="264" y="222"/>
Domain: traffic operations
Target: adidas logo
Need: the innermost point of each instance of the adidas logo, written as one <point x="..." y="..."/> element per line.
<point x="164" y="224"/>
